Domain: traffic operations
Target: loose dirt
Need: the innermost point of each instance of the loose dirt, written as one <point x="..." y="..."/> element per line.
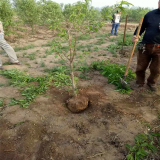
<point x="47" y="130"/>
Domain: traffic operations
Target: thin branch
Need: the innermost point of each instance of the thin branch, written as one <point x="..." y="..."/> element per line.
<point x="66" y="56"/>
<point x="61" y="57"/>
<point x="99" y="154"/>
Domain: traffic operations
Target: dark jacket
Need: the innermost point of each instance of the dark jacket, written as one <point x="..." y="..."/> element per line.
<point x="151" y="27"/>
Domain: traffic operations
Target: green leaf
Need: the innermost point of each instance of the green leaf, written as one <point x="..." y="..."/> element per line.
<point x="130" y="157"/>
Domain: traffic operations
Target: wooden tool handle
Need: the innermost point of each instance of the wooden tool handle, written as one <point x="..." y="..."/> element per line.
<point x="125" y="30"/>
<point x="134" y="46"/>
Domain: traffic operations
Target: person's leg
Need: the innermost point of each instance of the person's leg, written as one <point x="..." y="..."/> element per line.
<point x="1" y="65"/>
<point x="113" y="27"/>
<point x="10" y="51"/>
<point x="154" y="70"/>
<point x="143" y="60"/>
<point x="116" y="28"/>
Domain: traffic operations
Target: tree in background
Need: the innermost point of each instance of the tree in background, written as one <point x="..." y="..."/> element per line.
<point x="6" y="14"/>
<point x="27" y="11"/>
<point x="107" y="12"/>
<point x="121" y="6"/>
<point x="49" y="10"/>
<point x="135" y="14"/>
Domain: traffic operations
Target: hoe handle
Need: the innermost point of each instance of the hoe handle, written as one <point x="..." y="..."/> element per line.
<point x="134" y="46"/>
<point x="125" y="30"/>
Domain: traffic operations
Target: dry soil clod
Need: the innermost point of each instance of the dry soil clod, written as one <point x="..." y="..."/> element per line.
<point x="78" y="103"/>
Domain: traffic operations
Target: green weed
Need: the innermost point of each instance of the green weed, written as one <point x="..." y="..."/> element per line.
<point x="1" y="102"/>
<point x="127" y="42"/>
<point x="48" y="52"/>
<point x="42" y="64"/>
<point x="48" y="44"/>
<point x="100" y="41"/>
<point x="96" y="48"/>
<point x="32" y="56"/>
<point x="61" y="61"/>
<point x="145" y="146"/>
<point x="84" y="76"/>
<point x="1" y="84"/>
<point x="7" y="63"/>
<point x="114" y="72"/>
<point x="31" y="90"/>
<point x="24" y="54"/>
<point x="84" y="69"/>
<point x="102" y="35"/>
<point x="61" y="69"/>
<point x="18" y="124"/>
<point x="45" y="56"/>
<point x="84" y="37"/>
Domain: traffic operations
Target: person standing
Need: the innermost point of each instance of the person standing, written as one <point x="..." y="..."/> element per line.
<point x="149" y="50"/>
<point x="116" y="22"/>
<point x="8" y="49"/>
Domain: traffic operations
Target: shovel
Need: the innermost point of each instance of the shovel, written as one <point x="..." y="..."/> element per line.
<point x="123" y="82"/>
<point x="121" y="51"/>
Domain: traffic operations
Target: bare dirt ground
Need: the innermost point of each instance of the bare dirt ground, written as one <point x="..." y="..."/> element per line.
<point x="47" y="130"/>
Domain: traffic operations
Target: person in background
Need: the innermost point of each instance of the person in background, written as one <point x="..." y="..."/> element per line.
<point x="8" y="49"/>
<point x="149" y="49"/>
<point x="116" y="22"/>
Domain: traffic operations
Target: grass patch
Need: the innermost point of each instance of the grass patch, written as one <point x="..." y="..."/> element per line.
<point x="7" y="63"/>
<point x="84" y="37"/>
<point x="48" y="52"/>
<point x="48" y="44"/>
<point x="1" y="102"/>
<point x="42" y="64"/>
<point x="102" y="35"/>
<point x="1" y="84"/>
<point x="60" y="61"/>
<point x="100" y="41"/>
<point x="112" y="48"/>
<point x="127" y="42"/>
<point x="24" y="48"/>
<point x="31" y="87"/>
<point x="32" y="56"/>
<point x="114" y="72"/>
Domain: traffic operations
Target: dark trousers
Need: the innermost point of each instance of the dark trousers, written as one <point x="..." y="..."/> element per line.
<point x="150" y="57"/>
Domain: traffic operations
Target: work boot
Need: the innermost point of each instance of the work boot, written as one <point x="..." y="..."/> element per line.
<point x="1" y="68"/>
<point x="139" y="87"/>
<point x="152" y="87"/>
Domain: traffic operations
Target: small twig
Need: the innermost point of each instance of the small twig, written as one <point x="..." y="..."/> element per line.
<point x="153" y="103"/>
<point x="9" y="150"/>
<point x="61" y="57"/>
<point x="99" y="154"/>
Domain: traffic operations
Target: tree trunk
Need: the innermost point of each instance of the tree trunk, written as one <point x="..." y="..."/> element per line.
<point x="73" y="81"/>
